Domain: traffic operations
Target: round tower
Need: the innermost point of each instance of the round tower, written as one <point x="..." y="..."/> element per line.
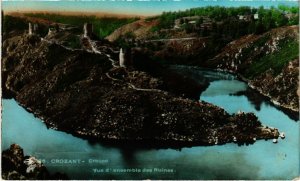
<point x="87" y="29"/>
<point x="35" y="28"/>
<point x="29" y="28"/>
<point x="122" y="58"/>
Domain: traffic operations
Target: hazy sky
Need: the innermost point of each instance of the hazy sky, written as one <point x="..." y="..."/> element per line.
<point x="140" y="7"/>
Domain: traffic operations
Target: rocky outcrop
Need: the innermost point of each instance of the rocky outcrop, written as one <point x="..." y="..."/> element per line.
<point x="81" y="93"/>
<point x="282" y="88"/>
<point x="16" y="166"/>
<point x="188" y="51"/>
<point x="268" y="62"/>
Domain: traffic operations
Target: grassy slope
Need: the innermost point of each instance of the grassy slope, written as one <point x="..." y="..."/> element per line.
<point x="256" y="54"/>
<point x="276" y="61"/>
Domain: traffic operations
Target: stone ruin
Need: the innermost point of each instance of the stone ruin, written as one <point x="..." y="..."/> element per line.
<point x="87" y="29"/>
<point x="125" y="57"/>
<point x="35" y="27"/>
<point x="32" y="28"/>
<point x="53" y="29"/>
<point x="122" y="58"/>
<point x="30" y="31"/>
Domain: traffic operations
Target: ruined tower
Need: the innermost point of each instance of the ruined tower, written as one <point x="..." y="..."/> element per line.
<point x="122" y="58"/>
<point x="35" y="28"/>
<point x="30" y="29"/>
<point x="87" y="29"/>
<point x="50" y="31"/>
<point x="2" y="22"/>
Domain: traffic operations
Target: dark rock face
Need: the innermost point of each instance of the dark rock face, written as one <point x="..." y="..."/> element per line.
<point x="79" y="92"/>
<point x="16" y="166"/>
<point x="12" y="158"/>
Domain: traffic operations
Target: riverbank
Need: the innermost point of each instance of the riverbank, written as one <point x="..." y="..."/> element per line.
<point x="271" y="98"/>
<point x="283" y="107"/>
<point x="269" y="63"/>
<point x="252" y="93"/>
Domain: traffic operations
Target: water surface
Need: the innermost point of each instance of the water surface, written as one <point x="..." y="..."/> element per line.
<point x="262" y="160"/>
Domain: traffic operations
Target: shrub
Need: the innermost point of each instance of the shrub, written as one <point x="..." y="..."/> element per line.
<point x="247" y="121"/>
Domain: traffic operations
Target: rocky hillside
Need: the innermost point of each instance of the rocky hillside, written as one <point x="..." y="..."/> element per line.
<point x="184" y="51"/>
<point x="262" y="60"/>
<point x="86" y="94"/>
<point x="146" y="29"/>
<point x="140" y="29"/>
<point x="17" y="166"/>
<point x="268" y="62"/>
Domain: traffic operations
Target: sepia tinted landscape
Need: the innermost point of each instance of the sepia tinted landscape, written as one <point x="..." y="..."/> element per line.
<point x="208" y="92"/>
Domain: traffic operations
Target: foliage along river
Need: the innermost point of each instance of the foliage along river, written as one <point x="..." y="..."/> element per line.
<point x="262" y="160"/>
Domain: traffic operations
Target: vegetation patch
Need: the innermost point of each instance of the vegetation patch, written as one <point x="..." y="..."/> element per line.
<point x="229" y="22"/>
<point x="276" y="61"/>
<point x="11" y="23"/>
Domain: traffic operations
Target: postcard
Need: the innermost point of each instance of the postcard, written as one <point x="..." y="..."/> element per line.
<point x="156" y="89"/>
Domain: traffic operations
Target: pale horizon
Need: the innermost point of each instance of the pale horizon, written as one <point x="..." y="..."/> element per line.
<point x="127" y="8"/>
<point x="75" y="13"/>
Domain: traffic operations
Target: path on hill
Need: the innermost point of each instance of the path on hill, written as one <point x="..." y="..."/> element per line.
<point x="172" y="39"/>
<point x="93" y="45"/>
<point x="65" y="47"/>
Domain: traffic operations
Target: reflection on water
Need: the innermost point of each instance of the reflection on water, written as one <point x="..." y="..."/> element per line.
<point x="202" y="74"/>
<point x="257" y="100"/>
<point x="262" y="160"/>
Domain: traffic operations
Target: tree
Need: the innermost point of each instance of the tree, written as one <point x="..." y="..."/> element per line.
<point x="278" y="18"/>
<point x="259" y="27"/>
<point x="166" y="20"/>
<point x="292" y="9"/>
<point x="214" y="27"/>
<point x="251" y="27"/>
<point x="186" y="21"/>
<point x="294" y="20"/>
<point x="181" y="21"/>
<point x="205" y="32"/>
<point x="199" y="22"/>
<point x="268" y="21"/>
<point x="188" y="28"/>
<point x="247" y="121"/>
<point x="261" y="12"/>
<point x="282" y="21"/>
